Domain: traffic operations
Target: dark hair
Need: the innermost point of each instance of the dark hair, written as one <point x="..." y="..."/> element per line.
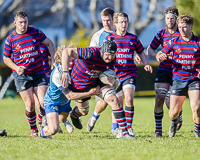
<point x="21" y="14"/>
<point x="116" y="15"/>
<point x="172" y="10"/>
<point x="186" y="18"/>
<point x="107" y="12"/>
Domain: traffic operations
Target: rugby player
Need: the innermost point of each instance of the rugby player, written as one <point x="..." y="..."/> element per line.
<point x="125" y="67"/>
<point x="163" y="78"/>
<point x="186" y="63"/>
<point x="23" y="44"/>
<point x="57" y="100"/>
<point x="90" y="62"/>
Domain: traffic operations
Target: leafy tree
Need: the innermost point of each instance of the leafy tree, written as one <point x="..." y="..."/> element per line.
<point x="190" y="7"/>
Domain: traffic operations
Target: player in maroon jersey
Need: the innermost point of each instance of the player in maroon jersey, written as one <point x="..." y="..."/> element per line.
<point x="163" y="79"/>
<point x="186" y="63"/>
<point x="23" y="44"/>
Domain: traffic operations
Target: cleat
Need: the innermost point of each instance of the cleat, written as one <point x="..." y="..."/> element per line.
<point x="157" y="135"/>
<point x="180" y="121"/>
<point x="130" y="132"/>
<point x="126" y="136"/>
<point x="172" y="129"/>
<point x="76" y="122"/>
<point x="197" y="134"/>
<point x="34" y="133"/>
<point x="69" y="127"/>
<point x="90" y="124"/>
<point x="115" y="132"/>
<point x="119" y="134"/>
<point x="3" y="132"/>
<point x="60" y="130"/>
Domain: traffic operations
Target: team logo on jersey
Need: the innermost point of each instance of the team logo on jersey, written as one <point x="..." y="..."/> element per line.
<point x="18" y="46"/>
<point x="178" y="50"/>
<point x="195" y="49"/>
<point x="34" y="40"/>
<point x="6" y="43"/>
<point x="131" y="43"/>
<point x="164" y="44"/>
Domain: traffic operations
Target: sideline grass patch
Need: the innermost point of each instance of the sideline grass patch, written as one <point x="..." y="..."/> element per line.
<point x="98" y="144"/>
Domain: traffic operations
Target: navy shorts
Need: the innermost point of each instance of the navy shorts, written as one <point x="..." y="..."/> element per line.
<point x="57" y="108"/>
<point x="181" y="88"/>
<point x="163" y="76"/>
<point x="25" y="81"/>
<point x="131" y="81"/>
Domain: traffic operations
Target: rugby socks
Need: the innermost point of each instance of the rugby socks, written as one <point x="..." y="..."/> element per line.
<point x="158" y="121"/>
<point x="115" y="126"/>
<point x="121" y="120"/>
<point x="31" y="117"/>
<point x="197" y="127"/>
<point x="73" y="113"/>
<point x="40" y="115"/>
<point x="129" y="113"/>
<point x="95" y="115"/>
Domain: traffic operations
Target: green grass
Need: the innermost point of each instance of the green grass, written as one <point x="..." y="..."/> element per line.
<point x="99" y="144"/>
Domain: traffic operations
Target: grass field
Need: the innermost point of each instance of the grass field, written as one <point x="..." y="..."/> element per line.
<point x="99" y="144"/>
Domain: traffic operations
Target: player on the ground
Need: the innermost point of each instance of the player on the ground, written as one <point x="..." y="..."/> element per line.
<point x="125" y="67"/>
<point x="23" y="44"/>
<point x="90" y="62"/>
<point x="186" y="62"/>
<point x="163" y="79"/>
<point x="57" y="100"/>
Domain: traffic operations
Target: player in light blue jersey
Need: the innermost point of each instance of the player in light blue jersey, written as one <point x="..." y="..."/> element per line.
<point x="57" y="100"/>
<point x="108" y="28"/>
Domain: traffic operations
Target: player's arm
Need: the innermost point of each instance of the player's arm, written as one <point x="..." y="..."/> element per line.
<point x="70" y="95"/>
<point x="12" y="65"/>
<point x="51" y="47"/>
<point x="143" y="57"/>
<point x="66" y="56"/>
<point x="151" y="52"/>
<point x="161" y="56"/>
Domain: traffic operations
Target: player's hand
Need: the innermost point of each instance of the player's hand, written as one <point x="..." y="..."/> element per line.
<point x="65" y="79"/>
<point x="137" y="58"/>
<point x="161" y="57"/>
<point x="198" y="75"/>
<point x="148" y="68"/>
<point x="20" y="70"/>
<point x="111" y="80"/>
<point x="95" y="91"/>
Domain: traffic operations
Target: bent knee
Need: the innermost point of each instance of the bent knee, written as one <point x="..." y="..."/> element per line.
<point x="173" y="115"/>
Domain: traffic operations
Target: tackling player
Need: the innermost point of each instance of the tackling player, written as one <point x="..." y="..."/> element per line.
<point x="186" y="62"/>
<point x="23" y="45"/>
<point x="57" y="100"/>
<point x="163" y="79"/>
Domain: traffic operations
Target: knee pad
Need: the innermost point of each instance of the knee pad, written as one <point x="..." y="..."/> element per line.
<point x="84" y="109"/>
<point x="128" y="86"/>
<point x="162" y="91"/>
<point x="107" y="93"/>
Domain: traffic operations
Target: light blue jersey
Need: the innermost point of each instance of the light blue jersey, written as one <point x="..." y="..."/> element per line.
<point x="98" y="38"/>
<point x="55" y="100"/>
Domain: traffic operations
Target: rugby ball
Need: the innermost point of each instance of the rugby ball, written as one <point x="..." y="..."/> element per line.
<point x="109" y="72"/>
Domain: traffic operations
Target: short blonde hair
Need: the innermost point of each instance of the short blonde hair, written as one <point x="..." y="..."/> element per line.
<point x="58" y="54"/>
<point x="186" y="18"/>
<point x="120" y="14"/>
